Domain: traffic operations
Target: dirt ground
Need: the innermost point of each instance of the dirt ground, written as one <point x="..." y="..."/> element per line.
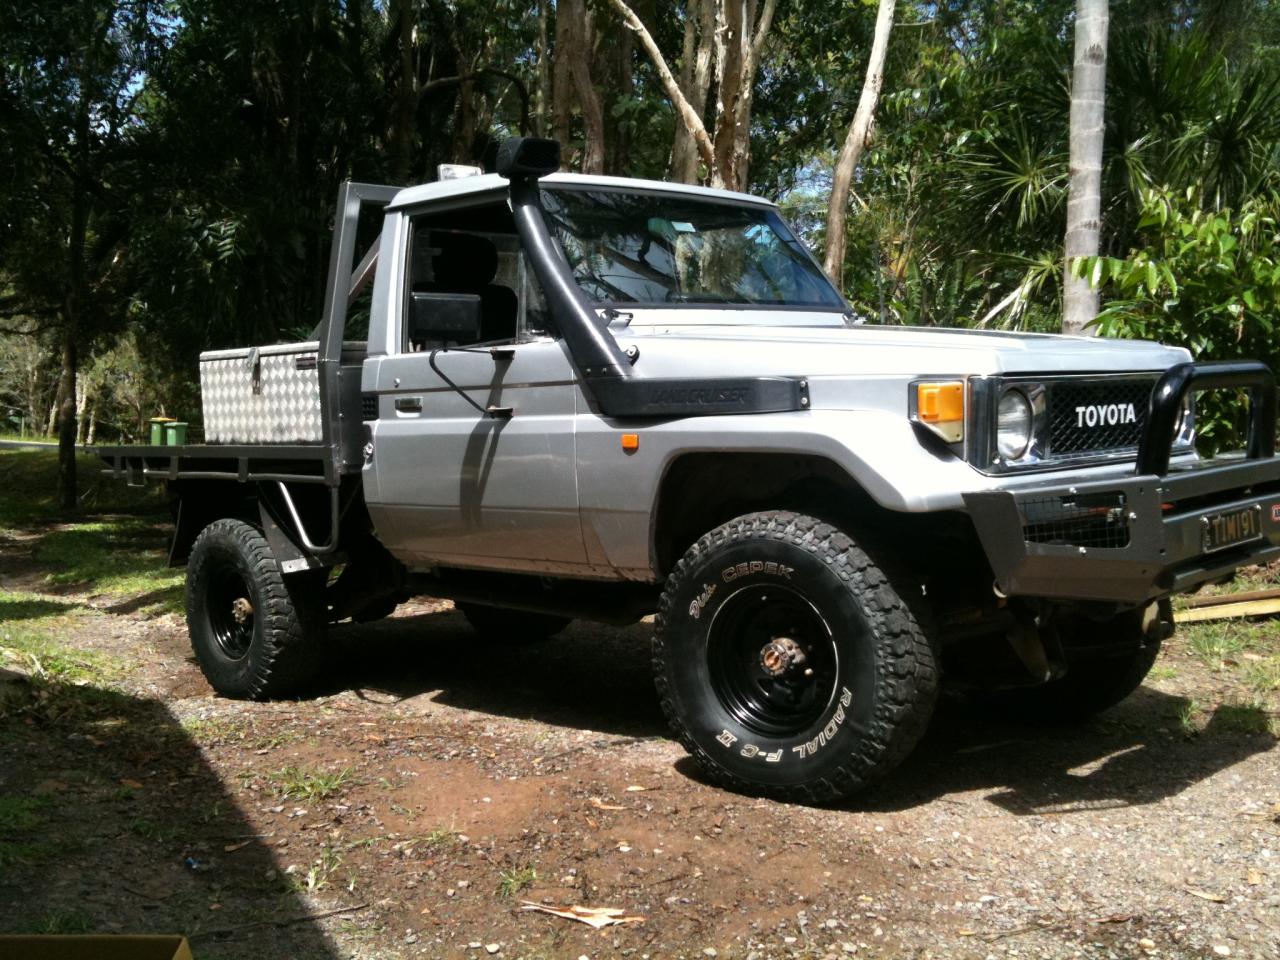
<point x="441" y="783"/>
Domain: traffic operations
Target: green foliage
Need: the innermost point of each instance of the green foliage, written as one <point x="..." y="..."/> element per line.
<point x="512" y="881"/>
<point x="302" y="783"/>
<point x="1204" y="277"/>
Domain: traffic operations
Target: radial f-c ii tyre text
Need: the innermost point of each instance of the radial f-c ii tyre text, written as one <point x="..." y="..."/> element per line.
<point x="254" y="631"/>
<point x="787" y="661"/>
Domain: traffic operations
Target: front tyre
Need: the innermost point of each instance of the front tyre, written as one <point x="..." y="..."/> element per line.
<point x="1107" y="661"/>
<point x="254" y="631"/>
<point x="788" y="663"/>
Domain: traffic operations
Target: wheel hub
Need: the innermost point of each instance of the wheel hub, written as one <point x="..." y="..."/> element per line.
<point x="772" y="660"/>
<point x="241" y="609"/>
<point x="781" y="656"/>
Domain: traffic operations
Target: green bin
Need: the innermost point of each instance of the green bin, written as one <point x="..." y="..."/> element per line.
<point x="175" y="433"/>
<point x="157" y="430"/>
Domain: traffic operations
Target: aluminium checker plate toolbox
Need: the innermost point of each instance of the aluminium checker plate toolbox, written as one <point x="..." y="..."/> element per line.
<point x="266" y="394"/>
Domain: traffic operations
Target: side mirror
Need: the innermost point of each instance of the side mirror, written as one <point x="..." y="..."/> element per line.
<point x="451" y="317"/>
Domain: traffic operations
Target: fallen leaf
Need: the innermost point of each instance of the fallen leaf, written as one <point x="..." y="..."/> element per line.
<point x="601" y="805"/>
<point x="1204" y="895"/>
<point x="596" y="917"/>
<point x="1115" y="918"/>
<point x="636" y="788"/>
<point x="131" y="784"/>
<point x="233" y="847"/>
<point x="1255" y="877"/>
<point x="968" y="933"/>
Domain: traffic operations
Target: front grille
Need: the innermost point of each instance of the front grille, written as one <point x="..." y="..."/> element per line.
<point x="1092" y="520"/>
<point x="1096" y="416"/>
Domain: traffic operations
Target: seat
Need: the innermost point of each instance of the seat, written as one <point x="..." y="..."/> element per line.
<point x="466" y="263"/>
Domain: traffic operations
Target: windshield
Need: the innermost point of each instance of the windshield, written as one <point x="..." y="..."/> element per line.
<point x="649" y="249"/>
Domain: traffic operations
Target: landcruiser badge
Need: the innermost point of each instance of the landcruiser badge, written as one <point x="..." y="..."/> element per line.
<point x="1105" y="414"/>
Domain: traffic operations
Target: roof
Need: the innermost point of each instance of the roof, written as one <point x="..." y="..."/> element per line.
<point x="491" y="182"/>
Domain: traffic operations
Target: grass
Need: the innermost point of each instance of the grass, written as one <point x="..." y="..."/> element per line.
<point x="302" y="783"/>
<point x="1189" y="716"/>
<point x="37" y="654"/>
<point x="321" y="873"/>
<point x="214" y="729"/>
<point x="440" y="837"/>
<point x="1263" y="677"/>
<point x="513" y="881"/>
<point x="1213" y="644"/>
<point x="20" y="814"/>
<point x="29" y="479"/>
<point x="61" y="922"/>
<point x="22" y="830"/>
<point x="1249" y="717"/>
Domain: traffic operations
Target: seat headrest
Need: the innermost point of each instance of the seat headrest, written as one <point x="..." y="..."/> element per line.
<point x="465" y="261"/>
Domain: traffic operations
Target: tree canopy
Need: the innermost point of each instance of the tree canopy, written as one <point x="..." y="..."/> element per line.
<point x="169" y="166"/>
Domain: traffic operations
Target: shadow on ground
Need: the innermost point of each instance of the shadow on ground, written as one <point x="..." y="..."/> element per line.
<point x="590" y="677"/>
<point x="111" y="821"/>
<point x="598" y="678"/>
<point x="1131" y="755"/>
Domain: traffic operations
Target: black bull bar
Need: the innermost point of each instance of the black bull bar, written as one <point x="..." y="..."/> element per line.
<point x="1161" y="530"/>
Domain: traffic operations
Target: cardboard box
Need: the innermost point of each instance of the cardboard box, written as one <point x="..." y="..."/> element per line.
<point x="94" y="947"/>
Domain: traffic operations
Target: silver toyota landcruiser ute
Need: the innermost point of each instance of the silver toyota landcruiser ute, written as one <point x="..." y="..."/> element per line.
<point x="589" y="397"/>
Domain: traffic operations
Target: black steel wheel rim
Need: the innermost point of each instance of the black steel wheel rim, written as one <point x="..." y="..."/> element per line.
<point x="228" y="604"/>
<point x="769" y="698"/>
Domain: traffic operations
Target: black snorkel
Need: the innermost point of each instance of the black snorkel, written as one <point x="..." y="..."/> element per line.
<point x="522" y="160"/>
<point x="607" y="375"/>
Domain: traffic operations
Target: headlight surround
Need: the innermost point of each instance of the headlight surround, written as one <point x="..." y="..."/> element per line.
<point x="1015" y="424"/>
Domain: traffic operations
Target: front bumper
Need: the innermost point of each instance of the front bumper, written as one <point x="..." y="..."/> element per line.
<point x="1130" y="540"/>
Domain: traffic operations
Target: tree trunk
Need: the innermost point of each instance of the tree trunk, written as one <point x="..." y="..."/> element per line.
<point x="406" y="104"/>
<point x="82" y="405"/>
<point x="854" y="141"/>
<point x="685" y="112"/>
<point x="1084" y="188"/>
<point x="730" y="26"/>
<point x="695" y="83"/>
<point x="578" y="54"/>
<point x="562" y="77"/>
<point x="619" y="162"/>
<point x="542" y="94"/>
<point x="67" y="494"/>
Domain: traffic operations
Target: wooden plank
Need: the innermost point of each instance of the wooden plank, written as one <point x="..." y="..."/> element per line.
<point x="1228" y="611"/>
<point x="1217" y="599"/>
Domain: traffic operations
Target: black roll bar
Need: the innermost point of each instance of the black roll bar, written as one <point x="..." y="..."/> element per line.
<point x="1155" y="447"/>
<point x="346" y="280"/>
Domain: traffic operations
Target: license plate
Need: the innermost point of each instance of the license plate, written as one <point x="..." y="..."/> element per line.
<point x="1231" y="528"/>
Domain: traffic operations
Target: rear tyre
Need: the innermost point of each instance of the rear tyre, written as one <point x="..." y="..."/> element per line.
<point x="254" y="631"/>
<point x="1120" y="653"/>
<point x="512" y="628"/>
<point x="788" y="663"/>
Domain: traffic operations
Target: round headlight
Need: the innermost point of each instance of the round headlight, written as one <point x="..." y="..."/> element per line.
<point x="1013" y="425"/>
